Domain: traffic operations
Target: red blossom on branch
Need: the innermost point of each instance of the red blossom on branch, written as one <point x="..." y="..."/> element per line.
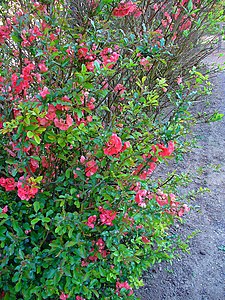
<point x="126" y="9"/>
<point x="163" y="150"/>
<point x="5" y="209"/>
<point x="107" y="216"/>
<point x="91" y="221"/>
<point x="63" y="296"/>
<point x="8" y="183"/>
<point x="139" y="198"/>
<point x="63" y="124"/>
<point x="26" y="188"/>
<point x="113" y="146"/>
<point x="91" y="168"/>
<point x="121" y="285"/>
<point x="145" y="240"/>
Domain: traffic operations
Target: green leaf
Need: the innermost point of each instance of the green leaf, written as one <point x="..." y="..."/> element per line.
<point x="216" y="117"/>
<point x="37" y="139"/>
<point x="68" y="171"/>
<point x="190" y="5"/>
<point x="17" y="228"/>
<point x="36" y="206"/>
<point x="30" y="134"/>
<point x="70" y="244"/>
<point x="46" y="220"/>
<point x="61" y="142"/>
<point x="34" y="221"/>
<point x="16" y="277"/>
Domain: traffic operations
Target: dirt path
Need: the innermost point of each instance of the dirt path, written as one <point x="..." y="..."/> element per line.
<point x="200" y="275"/>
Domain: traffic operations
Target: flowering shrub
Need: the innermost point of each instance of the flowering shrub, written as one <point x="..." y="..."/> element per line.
<point x="94" y="96"/>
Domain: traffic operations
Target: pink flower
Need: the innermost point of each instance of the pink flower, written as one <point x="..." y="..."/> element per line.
<point x="82" y="159"/>
<point x="26" y="188"/>
<point x="109" y="57"/>
<point x="64" y="124"/>
<point x="179" y="80"/>
<point x="183" y="210"/>
<point x="91" y="220"/>
<point x="119" y="88"/>
<point x="100" y="243"/>
<point x="113" y="146"/>
<point x="125" y="146"/>
<point x="91" y="168"/>
<point x="121" y="285"/>
<point x="63" y="296"/>
<point x="107" y="216"/>
<point x="124" y="9"/>
<point x="84" y="263"/>
<point x="161" y="198"/>
<point x="44" y="92"/>
<point x="156" y="7"/>
<point x="139" y="198"/>
<point x="79" y="298"/>
<point x="43" y="67"/>
<point x="5" y="209"/>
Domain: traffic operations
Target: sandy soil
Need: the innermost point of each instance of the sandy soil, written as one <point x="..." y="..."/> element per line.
<point x="200" y="275"/>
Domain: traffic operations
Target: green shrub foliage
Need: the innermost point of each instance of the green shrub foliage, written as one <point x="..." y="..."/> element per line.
<point x="94" y="95"/>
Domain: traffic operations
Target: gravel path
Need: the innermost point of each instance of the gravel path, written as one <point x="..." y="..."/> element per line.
<point x="200" y="275"/>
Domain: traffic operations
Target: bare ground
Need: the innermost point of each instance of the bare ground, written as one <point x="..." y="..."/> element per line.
<point x="200" y="275"/>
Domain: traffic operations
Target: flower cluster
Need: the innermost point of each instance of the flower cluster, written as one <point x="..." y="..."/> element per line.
<point x="27" y="189"/>
<point x="127" y="9"/>
<point x="123" y="285"/>
<point x="107" y="216"/>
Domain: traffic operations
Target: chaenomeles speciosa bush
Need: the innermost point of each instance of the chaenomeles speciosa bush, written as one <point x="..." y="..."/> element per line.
<point x="94" y="95"/>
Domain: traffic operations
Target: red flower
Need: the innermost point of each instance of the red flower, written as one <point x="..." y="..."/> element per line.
<point x="114" y="145"/>
<point x="34" y="165"/>
<point x="145" y="240"/>
<point x="125" y="146"/>
<point x="100" y="243"/>
<point x="79" y="298"/>
<point x="161" y="198"/>
<point x="26" y="188"/>
<point x="121" y="285"/>
<point x="2" y="181"/>
<point x="44" y="92"/>
<point x="91" y="168"/>
<point x="8" y="183"/>
<point x="109" y="57"/>
<point x="91" y="220"/>
<point x="5" y="209"/>
<point x="82" y="52"/>
<point x="164" y="151"/>
<point x="124" y="9"/>
<point x="139" y="198"/>
<point x="63" y="296"/>
<point x="119" y="88"/>
<point x="64" y="125"/>
<point x="107" y="216"/>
